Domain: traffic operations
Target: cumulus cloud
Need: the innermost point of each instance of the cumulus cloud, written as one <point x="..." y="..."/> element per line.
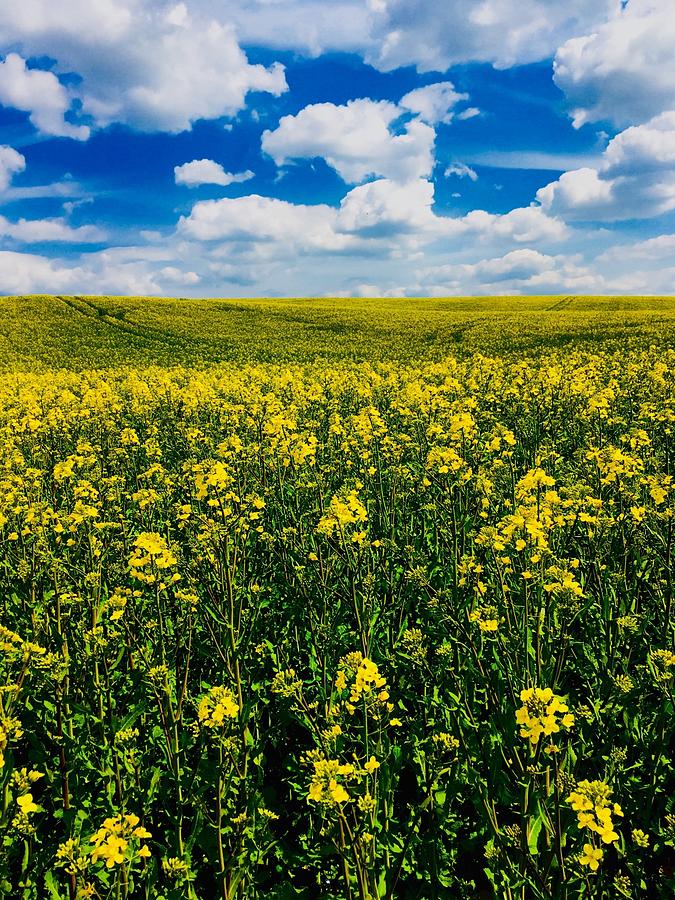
<point x="255" y="219"/>
<point x="518" y="271"/>
<point x="206" y="171"/>
<point x="518" y="264"/>
<point x="382" y="216"/>
<point x="147" y="65"/>
<point x="27" y="273"/>
<point x="435" y="36"/>
<point x="527" y="224"/>
<point x="634" y="179"/>
<point x="355" y="139"/>
<point x="383" y="208"/>
<point x="128" y="273"/>
<point x="40" y="94"/>
<point x="34" y="231"/>
<point x="11" y="162"/>
<point x="434" y="103"/>
<point x="622" y="70"/>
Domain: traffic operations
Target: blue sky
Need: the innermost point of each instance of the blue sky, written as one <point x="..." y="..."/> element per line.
<point x="366" y="147"/>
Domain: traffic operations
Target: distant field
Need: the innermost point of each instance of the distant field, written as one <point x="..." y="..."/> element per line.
<point x="101" y="332"/>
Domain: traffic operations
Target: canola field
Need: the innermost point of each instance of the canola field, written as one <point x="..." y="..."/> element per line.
<point x="337" y="599"/>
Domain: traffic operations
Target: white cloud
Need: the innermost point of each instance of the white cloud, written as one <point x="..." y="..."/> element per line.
<point x="384" y="208"/>
<point x="355" y="140"/>
<point x="33" y="231"/>
<point x="622" y="70"/>
<point x="434" y="103"/>
<point x="518" y="264"/>
<point x="206" y="171"/>
<point x="174" y="275"/>
<point x="660" y="247"/>
<point x="258" y="220"/>
<point x="648" y="147"/>
<point x="519" y="271"/>
<point x="634" y="179"/>
<point x="461" y="170"/>
<point x="435" y="36"/>
<point x="40" y="94"/>
<point x="545" y="160"/>
<point x="94" y="273"/>
<point x="33" y="191"/>
<point x="153" y="67"/>
<point x="527" y="224"/>
<point x="27" y="273"/>
<point x="11" y="162"/>
<point x="580" y="193"/>
<point x="86" y="20"/>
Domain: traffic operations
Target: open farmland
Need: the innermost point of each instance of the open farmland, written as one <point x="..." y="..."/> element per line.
<point x="337" y="598"/>
<point x="102" y="332"/>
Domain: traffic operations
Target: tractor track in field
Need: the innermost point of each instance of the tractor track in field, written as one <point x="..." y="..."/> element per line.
<point x="146" y="333"/>
<point x="561" y="304"/>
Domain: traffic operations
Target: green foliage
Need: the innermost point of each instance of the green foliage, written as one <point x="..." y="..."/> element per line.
<point x="378" y="630"/>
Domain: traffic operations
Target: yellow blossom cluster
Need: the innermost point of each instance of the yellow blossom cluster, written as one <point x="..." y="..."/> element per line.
<point x="151" y="553"/>
<point x="542" y="712"/>
<point x="119" y="841"/>
<point x="216" y="707"/>
<point x="326" y="785"/>
<point x="591" y="802"/>
<point x="486" y="617"/>
<point x="343" y="512"/>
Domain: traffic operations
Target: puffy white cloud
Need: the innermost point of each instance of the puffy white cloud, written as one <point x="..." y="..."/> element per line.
<point x="206" y="171"/>
<point x="434" y="36"/>
<point x="433" y="103"/>
<point x="256" y="220"/>
<point x="84" y="20"/>
<point x="527" y="224"/>
<point x="518" y="264"/>
<point x="355" y="139"/>
<point x="580" y="193"/>
<point x="132" y="271"/>
<point x="519" y="271"/>
<point x="384" y="208"/>
<point x="174" y="275"/>
<point x="33" y="231"/>
<point x="40" y="94"/>
<point x="142" y="63"/>
<point x="11" y="162"/>
<point x="27" y="273"/>
<point x="622" y="70"/>
<point x="634" y="179"/>
<point x="176" y="76"/>
<point x="310" y="26"/>
<point x="649" y="147"/>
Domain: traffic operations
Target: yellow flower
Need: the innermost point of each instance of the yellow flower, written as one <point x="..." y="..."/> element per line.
<point x="542" y="712"/>
<point x="111" y="850"/>
<point x="591" y="857"/>
<point x="217" y="706"/>
<point x="371" y="765"/>
<point x="26" y="804"/>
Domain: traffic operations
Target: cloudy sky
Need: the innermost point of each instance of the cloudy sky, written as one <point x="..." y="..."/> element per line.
<point x="351" y="147"/>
